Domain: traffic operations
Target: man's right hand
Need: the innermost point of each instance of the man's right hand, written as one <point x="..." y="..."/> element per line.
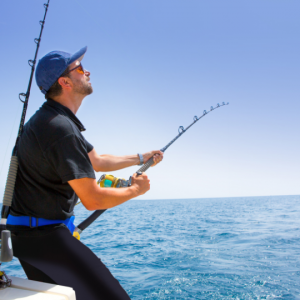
<point x="141" y="183"/>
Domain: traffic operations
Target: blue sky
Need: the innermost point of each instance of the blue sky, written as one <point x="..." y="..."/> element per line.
<point x="156" y="64"/>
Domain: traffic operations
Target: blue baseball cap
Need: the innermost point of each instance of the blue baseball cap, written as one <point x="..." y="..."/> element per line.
<point x="52" y="65"/>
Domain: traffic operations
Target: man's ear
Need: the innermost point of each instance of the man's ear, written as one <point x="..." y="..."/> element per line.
<point x="65" y="82"/>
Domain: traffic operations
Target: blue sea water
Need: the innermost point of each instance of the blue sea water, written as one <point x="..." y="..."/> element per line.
<point x="225" y="248"/>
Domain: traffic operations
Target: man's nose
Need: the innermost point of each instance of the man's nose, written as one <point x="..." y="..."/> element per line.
<point x="88" y="73"/>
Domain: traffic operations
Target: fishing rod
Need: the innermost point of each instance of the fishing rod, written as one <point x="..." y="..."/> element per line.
<point x="6" y="249"/>
<point x="107" y="180"/>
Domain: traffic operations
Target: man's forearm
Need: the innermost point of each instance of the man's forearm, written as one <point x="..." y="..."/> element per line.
<point x="107" y="162"/>
<point x="94" y="197"/>
<point x="110" y="197"/>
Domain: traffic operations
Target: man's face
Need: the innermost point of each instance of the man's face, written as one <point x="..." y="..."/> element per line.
<point x="81" y="82"/>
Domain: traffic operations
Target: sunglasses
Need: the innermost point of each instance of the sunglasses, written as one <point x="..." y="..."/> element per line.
<point x="79" y="69"/>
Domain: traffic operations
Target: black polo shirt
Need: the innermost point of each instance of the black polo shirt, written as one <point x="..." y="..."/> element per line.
<point x="51" y="151"/>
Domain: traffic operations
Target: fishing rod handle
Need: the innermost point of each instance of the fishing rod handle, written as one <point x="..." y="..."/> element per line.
<point x="11" y="179"/>
<point x="9" y="190"/>
<point x="87" y="222"/>
<point x="147" y="165"/>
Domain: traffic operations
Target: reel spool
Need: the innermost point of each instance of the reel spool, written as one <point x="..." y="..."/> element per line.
<point x="107" y="180"/>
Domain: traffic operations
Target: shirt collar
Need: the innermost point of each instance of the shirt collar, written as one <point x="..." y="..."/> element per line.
<point x="63" y="110"/>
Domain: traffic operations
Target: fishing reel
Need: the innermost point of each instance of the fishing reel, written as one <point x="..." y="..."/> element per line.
<point x="107" y="180"/>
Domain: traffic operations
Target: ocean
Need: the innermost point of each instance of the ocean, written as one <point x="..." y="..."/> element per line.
<point x="222" y="248"/>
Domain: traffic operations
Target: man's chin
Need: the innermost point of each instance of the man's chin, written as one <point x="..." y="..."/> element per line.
<point x="90" y="90"/>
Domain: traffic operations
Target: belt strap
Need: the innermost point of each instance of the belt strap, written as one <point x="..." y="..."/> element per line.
<point x="33" y="222"/>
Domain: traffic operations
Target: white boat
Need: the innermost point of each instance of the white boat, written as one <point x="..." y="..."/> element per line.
<point x="23" y="289"/>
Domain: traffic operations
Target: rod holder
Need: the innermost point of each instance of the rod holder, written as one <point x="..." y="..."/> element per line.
<point x="6" y="246"/>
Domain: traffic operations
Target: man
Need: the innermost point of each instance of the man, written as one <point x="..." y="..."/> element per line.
<point x="56" y="166"/>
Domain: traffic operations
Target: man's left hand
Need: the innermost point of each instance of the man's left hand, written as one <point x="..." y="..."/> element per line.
<point x="157" y="156"/>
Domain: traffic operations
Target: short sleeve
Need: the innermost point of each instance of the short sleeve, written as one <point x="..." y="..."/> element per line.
<point x="89" y="147"/>
<point x="69" y="157"/>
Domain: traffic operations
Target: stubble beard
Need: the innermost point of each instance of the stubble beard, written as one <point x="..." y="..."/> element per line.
<point x="83" y="88"/>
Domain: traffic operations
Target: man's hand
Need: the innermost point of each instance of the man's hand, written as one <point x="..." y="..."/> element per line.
<point x="157" y="156"/>
<point x="141" y="183"/>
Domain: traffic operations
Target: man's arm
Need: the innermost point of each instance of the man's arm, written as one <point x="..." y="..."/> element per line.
<point x="94" y="197"/>
<point x="107" y="163"/>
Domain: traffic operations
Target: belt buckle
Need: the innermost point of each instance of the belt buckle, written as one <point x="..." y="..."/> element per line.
<point x="30" y="222"/>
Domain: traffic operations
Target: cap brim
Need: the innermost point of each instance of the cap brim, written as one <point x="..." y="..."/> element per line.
<point x="78" y="55"/>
